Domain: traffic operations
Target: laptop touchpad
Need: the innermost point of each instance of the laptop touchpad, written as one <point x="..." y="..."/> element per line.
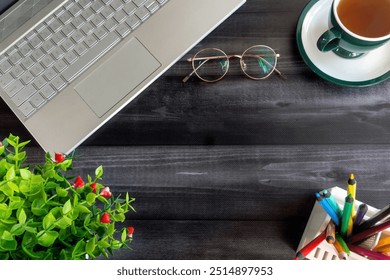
<point x="117" y="77"/>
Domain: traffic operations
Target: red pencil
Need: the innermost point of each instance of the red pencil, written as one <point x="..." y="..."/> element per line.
<point x="310" y="246"/>
<point x="368" y="232"/>
<point x="369" y="254"/>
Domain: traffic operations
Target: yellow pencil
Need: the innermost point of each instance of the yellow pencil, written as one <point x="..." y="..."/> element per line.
<point x="342" y="254"/>
<point x="383" y="245"/>
<point x="351" y="189"/>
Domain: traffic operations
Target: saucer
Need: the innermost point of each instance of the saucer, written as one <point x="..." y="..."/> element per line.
<point x="369" y="69"/>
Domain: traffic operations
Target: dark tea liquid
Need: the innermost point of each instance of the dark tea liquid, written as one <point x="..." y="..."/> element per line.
<point x="367" y="18"/>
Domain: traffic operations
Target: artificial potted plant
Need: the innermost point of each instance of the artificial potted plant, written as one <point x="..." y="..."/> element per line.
<point x="44" y="214"/>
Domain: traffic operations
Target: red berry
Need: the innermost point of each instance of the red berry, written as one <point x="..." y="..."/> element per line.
<point x="105" y="192"/>
<point x="93" y="186"/>
<point x="78" y="183"/>
<point x="59" y="158"/>
<point x="130" y="231"/>
<point x="105" y="219"/>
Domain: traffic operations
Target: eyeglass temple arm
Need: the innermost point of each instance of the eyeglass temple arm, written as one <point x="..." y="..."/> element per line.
<point x="200" y="65"/>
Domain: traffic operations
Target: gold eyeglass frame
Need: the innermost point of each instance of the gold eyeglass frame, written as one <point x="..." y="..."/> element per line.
<point x="194" y="58"/>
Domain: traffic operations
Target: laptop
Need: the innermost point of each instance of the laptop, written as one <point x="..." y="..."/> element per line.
<point x="67" y="67"/>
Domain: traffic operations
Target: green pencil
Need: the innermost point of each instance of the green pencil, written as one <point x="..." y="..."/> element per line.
<point x="347" y="211"/>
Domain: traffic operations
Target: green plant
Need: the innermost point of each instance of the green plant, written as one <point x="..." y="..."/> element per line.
<point x="46" y="215"/>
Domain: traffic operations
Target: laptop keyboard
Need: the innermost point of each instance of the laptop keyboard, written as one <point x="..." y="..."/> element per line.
<point x="64" y="45"/>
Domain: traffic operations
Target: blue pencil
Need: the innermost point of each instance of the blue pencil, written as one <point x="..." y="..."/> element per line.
<point x="332" y="202"/>
<point x="328" y="209"/>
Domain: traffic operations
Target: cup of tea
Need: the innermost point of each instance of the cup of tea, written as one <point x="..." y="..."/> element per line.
<point x="356" y="27"/>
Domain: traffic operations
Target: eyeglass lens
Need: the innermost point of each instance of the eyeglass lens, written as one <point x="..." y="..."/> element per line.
<point x="211" y="64"/>
<point x="258" y="62"/>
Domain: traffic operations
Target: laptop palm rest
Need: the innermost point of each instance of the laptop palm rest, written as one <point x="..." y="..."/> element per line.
<point x="117" y="77"/>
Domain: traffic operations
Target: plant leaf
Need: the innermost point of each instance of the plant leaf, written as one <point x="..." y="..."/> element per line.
<point x="99" y="172"/>
<point x="64" y="222"/>
<point x="91" y="245"/>
<point x="37" y="207"/>
<point x="61" y="192"/>
<point x="90" y="198"/>
<point x="48" y="221"/>
<point x="10" y="174"/>
<point x="18" y="229"/>
<point x="67" y="207"/>
<point x="46" y="239"/>
<point x="124" y="235"/>
<point x="13" y="186"/>
<point x="22" y="216"/>
<point x="79" y="249"/>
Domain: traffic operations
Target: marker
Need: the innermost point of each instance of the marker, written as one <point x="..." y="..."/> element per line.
<point x="331" y="233"/>
<point x="332" y="202"/>
<point x="342" y="254"/>
<point x="346" y="215"/>
<point x="379" y="216"/>
<point x="310" y="246"/>
<point x="368" y="253"/>
<point x="328" y="209"/>
<point x="360" y="213"/>
<point x="368" y="232"/>
<point x="351" y="189"/>
<point x="340" y="240"/>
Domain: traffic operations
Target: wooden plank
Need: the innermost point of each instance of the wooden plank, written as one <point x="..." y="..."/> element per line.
<point x="234" y="182"/>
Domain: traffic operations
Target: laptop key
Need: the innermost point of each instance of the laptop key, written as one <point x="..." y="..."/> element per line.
<point x="123" y="29"/>
<point x="17" y="71"/>
<point x="5" y="67"/>
<point x="23" y="95"/>
<point x="47" y="91"/>
<point x="37" y="100"/>
<point x="139" y="2"/>
<point x="142" y="13"/>
<point x="27" y="77"/>
<point x="6" y="80"/>
<point x="133" y="21"/>
<point x="58" y="83"/>
<point x="14" y="88"/>
<point x="27" y="109"/>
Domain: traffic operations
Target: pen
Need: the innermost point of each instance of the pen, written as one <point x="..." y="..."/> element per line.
<point x="368" y="253"/>
<point x="325" y="205"/>
<point x="332" y="202"/>
<point x="346" y="215"/>
<point x="360" y="213"/>
<point x="331" y="233"/>
<point x="351" y="189"/>
<point x="382" y="214"/>
<point x="368" y="232"/>
<point x="340" y="240"/>
<point x="342" y="254"/>
<point x="310" y="246"/>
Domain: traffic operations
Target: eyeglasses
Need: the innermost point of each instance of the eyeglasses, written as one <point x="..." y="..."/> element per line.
<point x="211" y="64"/>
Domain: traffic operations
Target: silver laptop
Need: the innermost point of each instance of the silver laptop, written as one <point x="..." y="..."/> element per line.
<point x="67" y="67"/>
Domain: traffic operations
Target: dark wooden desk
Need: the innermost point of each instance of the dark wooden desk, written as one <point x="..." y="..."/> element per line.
<point x="229" y="170"/>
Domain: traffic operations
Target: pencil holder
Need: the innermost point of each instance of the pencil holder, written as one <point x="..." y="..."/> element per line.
<point x="317" y="223"/>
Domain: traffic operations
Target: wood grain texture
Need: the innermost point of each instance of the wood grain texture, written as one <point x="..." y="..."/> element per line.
<point x="229" y="170"/>
<point x="229" y="202"/>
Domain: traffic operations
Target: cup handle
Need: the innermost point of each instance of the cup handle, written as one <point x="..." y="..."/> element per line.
<point x="329" y="40"/>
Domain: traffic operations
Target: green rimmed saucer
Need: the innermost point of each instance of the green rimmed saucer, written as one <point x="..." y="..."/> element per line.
<point x="369" y="69"/>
